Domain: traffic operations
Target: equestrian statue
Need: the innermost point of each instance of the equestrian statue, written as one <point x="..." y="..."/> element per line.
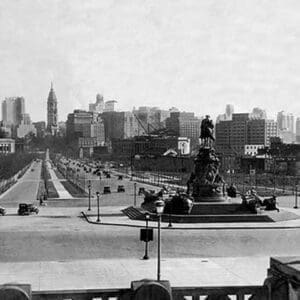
<point x="206" y="135"/>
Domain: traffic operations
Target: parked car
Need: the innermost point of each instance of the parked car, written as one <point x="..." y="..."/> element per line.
<point x="2" y="211"/>
<point x="27" y="209"/>
<point x="121" y="189"/>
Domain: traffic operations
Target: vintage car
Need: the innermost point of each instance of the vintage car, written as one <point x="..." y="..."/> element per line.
<point x="2" y="211"/>
<point x="26" y="209"/>
<point x="121" y="189"/>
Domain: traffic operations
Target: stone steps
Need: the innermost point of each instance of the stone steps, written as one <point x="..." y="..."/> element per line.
<point x="134" y="213"/>
<point x="207" y="208"/>
<point x="242" y="218"/>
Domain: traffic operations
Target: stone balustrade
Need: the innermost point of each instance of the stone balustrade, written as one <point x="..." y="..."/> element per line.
<point x="282" y="283"/>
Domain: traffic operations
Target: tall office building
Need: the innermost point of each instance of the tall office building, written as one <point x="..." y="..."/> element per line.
<point x="84" y="124"/>
<point x="52" y="116"/>
<point x="150" y="118"/>
<point x="25" y="127"/>
<point x="233" y="136"/>
<point x="298" y="130"/>
<point x="119" y="125"/>
<point x="98" y="106"/>
<point x="184" y="124"/>
<point x="109" y="105"/>
<point x="12" y="110"/>
<point x="229" y="110"/>
<point x="286" y="127"/>
<point x="258" y="113"/>
<point x="86" y="130"/>
<point x="285" y="121"/>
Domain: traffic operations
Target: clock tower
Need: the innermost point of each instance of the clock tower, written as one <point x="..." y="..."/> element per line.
<point x="52" y="127"/>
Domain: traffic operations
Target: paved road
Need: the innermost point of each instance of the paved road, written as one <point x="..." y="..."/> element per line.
<point x="25" y="190"/>
<point x="60" y="238"/>
<point x="57" y="233"/>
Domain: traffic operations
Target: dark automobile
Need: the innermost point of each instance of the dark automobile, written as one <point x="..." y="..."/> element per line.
<point x="121" y="189"/>
<point x="2" y="211"/>
<point x="27" y="209"/>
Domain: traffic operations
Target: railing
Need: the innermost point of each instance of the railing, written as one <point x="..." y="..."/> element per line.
<point x="233" y="293"/>
<point x="103" y="294"/>
<point x="179" y="293"/>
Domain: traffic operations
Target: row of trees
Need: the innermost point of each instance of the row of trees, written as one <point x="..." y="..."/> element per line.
<point x="10" y="164"/>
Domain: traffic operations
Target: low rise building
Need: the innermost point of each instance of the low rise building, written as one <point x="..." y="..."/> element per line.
<point x="150" y="145"/>
<point x="7" y="146"/>
<point x="252" y="150"/>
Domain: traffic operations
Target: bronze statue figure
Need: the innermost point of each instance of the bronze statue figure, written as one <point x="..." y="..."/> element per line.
<point x="206" y="131"/>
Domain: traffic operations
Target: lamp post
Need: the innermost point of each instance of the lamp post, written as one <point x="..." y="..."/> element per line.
<point x="89" y="187"/>
<point x="159" y="210"/>
<point x="147" y="217"/>
<point x="134" y="187"/>
<point x="98" y="207"/>
<point x="170" y="214"/>
<point x="296" y="197"/>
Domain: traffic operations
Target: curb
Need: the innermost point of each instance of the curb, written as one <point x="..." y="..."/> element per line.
<point x="189" y="228"/>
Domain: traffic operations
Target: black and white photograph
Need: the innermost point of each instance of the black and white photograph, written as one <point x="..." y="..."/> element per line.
<point x="150" y="149"/>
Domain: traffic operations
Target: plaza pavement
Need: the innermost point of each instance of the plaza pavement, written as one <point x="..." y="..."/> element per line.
<point x="119" y="272"/>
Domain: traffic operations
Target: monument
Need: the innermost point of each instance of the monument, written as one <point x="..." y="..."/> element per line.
<point x="206" y="199"/>
<point x="205" y="183"/>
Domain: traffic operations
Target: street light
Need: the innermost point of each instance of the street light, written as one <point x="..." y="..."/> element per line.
<point x="159" y="210"/>
<point x="98" y="207"/>
<point x="147" y="218"/>
<point x="89" y="187"/>
<point x="170" y="214"/>
<point x="134" y="187"/>
<point x="296" y="197"/>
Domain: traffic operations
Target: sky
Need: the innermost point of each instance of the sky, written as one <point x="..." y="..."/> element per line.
<point x="196" y="55"/>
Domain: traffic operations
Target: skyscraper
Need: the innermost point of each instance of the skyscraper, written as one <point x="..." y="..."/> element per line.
<point x="298" y="130"/>
<point x="286" y="128"/>
<point x="258" y="113"/>
<point x="229" y="110"/>
<point x="12" y="110"/>
<point x="98" y="106"/>
<point x="52" y="112"/>
<point x="232" y="136"/>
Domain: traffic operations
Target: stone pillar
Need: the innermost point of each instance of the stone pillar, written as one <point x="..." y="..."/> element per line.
<point x="283" y="279"/>
<point x="15" y="291"/>
<point x="151" y="290"/>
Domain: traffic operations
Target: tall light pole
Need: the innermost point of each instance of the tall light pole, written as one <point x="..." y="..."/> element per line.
<point x="147" y="217"/>
<point x="89" y="187"/>
<point x="159" y="210"/>
<point x="296" y="197"/>
<point x="98" y="207"/>
<point x="134" y="188"/>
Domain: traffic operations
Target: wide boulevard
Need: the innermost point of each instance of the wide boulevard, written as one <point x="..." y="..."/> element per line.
<point x="59" y="233"/>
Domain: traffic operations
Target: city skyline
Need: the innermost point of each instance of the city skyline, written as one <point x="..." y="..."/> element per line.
<point x="197" y="57"/>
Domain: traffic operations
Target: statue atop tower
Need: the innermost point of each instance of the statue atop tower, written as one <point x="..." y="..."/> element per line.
<point x="52" y="126"/>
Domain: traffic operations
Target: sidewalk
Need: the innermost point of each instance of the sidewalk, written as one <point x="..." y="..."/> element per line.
<point x="62" y="192"/>
<point x="118" y="273"/>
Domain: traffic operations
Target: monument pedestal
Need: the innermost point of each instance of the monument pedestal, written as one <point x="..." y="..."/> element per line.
<point x="206" y="183"/>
